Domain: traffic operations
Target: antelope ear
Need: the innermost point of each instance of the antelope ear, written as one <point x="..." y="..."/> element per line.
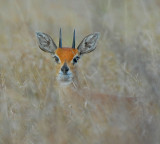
<point x="89" y="43"/>
<point x="45" y="42"/>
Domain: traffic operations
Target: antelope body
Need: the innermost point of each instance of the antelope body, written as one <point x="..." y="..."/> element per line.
<point x="69" y="88"/>
<point x="66" y="59"/>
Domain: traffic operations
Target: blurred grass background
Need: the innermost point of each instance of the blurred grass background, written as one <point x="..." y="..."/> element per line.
<point x="126" y="63"/>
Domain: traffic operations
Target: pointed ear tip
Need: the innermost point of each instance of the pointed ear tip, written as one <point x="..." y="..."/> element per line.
<point x="98" y="34"/>
<point x="38" y="33"/>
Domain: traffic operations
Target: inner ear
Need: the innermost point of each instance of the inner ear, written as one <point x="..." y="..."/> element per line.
<point x="89" y="43"/>
<point x="46" y="43"/>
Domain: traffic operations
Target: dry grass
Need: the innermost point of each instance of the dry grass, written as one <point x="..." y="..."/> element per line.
<point x="126" y="64"/>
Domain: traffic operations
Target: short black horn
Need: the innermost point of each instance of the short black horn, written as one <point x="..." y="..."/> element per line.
<point x="60" y="38"/>
<point x="73" y="44"/>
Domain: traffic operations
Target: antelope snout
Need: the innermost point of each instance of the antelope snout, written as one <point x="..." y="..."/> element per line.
<point x="65" y="75"/>
<point x="64" y="68"/>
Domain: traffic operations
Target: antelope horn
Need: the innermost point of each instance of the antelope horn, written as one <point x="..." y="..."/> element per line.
<point x="73" y="44"/>
<point x="60" y="39"/>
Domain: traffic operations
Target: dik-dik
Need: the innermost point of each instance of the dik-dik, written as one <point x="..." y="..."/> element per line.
<point x="66" y="59"/>
<point x="103" y="110"/>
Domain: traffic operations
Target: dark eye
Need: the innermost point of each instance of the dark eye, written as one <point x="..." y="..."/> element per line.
<point x="75" y="60"/>
<point x="56" y="59"/>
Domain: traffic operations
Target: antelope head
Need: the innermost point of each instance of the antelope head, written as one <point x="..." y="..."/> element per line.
<point x="66" y="58"/>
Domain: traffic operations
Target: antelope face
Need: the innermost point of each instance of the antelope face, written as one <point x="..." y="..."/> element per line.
<point x="66" y="58"/>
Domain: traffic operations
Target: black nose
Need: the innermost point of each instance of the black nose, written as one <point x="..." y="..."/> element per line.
<point x="65" y="68"/>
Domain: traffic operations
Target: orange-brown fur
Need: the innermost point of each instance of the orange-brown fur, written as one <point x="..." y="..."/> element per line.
<point x="65" y="55"/>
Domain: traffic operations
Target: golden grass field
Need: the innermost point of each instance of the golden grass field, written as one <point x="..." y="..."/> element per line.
<point x="126" y="63"/>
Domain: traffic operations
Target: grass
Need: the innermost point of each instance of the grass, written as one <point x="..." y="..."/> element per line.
<point x="125" y="64"/>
